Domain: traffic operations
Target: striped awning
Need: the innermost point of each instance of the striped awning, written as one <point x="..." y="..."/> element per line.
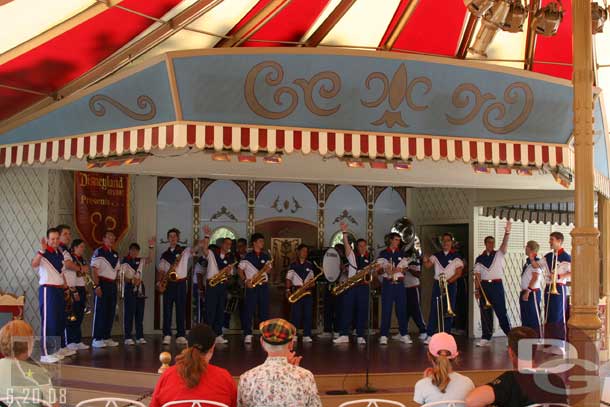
<point x="219" y="137"/>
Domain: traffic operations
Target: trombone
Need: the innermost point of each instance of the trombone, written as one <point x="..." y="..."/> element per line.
<point x="441" y="312"/>
<point x="553" y="290"/>
<point x="478" y="282"/>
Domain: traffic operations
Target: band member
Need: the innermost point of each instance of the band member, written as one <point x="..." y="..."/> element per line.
<point x="557" y="262"/>
<point x="199" y="272"/>
<point x="241" y="249"/>
<point x="76" y="282"/>
<point x="134" y="292"/>
<point x="355" y="299"/>
<point x="216" y="297"/>
<point x="49" y="263"/>
<point x="392" y="291"/>
<point x="488" y="273"/>
<point x="69" y="272"/>
<point x="299" y="273"/>
<point x="412" y="276"/>
<point x="256" y="297"/>
<point x="106" y="264"/>
<point x="449" y="263"/>
<point x="175" y="259"/>
<point x="531" y="296"/>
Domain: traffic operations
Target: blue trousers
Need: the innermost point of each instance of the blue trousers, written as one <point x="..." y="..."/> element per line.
<point x="414" y="308"/>
<point x="174" y="295"/>
<point x="495" y="294"/>
<point x="530" y="310"/>
<point x="104" y="311"/>
<point x="257" y="297"/>
<point x="393" y="294"/>
<point x="52" y="317"/>
<point x="332" y="310"/>
<point x="301" y="314"/>
<point x="436" y="297"/>
<point x="73" y="328"/>
<point x="215" y="302"/>
<point x="198" y="302"/>
<point x="133" y="313"/>
<point x="555" y="327"/>
<point x="355" y="310"/>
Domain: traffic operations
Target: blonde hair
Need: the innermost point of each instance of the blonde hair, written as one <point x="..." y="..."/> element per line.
<point x="441" y="368"/>
<point x="16" y="338"/>
<point x="533" y="245"/>
<point x="191" y="366"/>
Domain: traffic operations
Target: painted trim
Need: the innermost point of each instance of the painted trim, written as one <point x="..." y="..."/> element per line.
<point x="173" y="86"/>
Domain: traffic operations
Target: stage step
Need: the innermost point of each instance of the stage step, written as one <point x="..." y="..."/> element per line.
<point x="89" y="382"/>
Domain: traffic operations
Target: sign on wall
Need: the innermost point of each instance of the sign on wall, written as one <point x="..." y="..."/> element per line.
<point x="101" y="203"/>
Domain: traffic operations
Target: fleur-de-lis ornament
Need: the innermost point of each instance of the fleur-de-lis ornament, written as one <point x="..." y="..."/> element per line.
<point x="395" y="91"/>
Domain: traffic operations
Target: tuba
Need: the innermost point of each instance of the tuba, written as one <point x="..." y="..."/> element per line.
<point x="406" y="230"/>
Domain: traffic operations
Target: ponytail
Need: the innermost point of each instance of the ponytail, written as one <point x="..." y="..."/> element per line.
<point x="191" y="366"/>
<point x="441" y="370"/>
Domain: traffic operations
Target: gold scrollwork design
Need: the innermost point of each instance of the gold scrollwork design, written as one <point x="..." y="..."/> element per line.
<point x="275" y="78"/>
<point x="419" y="80"/>
<point x="461" y="99"/>
<point x="384" y="93"/>
<point x="272" y="78"/>
<point x="324" y="92"/>
<point x="144" y="102"/>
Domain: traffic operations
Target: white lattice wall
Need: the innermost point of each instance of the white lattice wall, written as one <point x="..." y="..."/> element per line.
<point x="520" y="234"/>
<point x="434" y="206"/>
<point x="23" y="221"/>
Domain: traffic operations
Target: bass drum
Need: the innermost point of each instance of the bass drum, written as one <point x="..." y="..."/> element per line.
<point x="331" y="265"/>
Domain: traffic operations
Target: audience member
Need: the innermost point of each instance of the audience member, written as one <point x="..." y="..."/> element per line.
<point x="19" y="375"/>
<point x="518" y="387"/>
<point x="440" y="382"/>
<point x="279" y="381"/>
<point x="193" y="377"/>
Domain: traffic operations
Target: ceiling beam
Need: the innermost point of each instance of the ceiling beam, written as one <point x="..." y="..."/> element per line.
<point x="467" y="37"/>
<point x="262" y="17"/>
<point x="388" y="44"/>
<point x="119" y="59"/>
<point x="57" y="30"/>
<point x="530" y="39"/>
<point x="327" y="25"/>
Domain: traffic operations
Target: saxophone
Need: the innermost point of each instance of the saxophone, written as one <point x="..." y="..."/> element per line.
<point x="303" y="290"/>
<point x="171" y="275"/>
<point x="366" y="274"/>
<point x="260" y="277"/>
<point x="222" y="276"/>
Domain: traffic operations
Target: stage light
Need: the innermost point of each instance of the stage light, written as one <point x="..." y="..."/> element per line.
<point x="355" y="163"/>
<point x="221" y="157"/>
<point x="115" y="161"/>
<point x="402" y="165"/>
<point x="478" y="7"/>
<point x="246" y="158"/>
<point x="548" y="18"/>
<point x="492" y="21"/>
<point x="599" y="15"/>
<point x="524" y="171"/>
<point x="503" y="170"/>
<point x="379" y="164"/>
<point x="481" y="169"/>
<point x="515" y="18"/>
<point x="273" y="159"/>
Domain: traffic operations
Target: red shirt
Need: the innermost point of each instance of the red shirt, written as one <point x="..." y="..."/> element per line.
<point x="216" y="384"/>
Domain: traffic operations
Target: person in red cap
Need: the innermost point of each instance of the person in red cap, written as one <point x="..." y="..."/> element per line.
<point x="440" y="382"/>
<point x="193" y="377"/>
<point x="279" y="381"/>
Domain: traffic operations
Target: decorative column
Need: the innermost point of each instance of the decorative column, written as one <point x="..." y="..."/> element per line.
<point x="321" y="207"/>
<point x="603" y="224"/>
<point x="370" y="206"/>
<point x="584" y="323"/>
<point x="196" y="208"/>
<point x="251" y="197"/>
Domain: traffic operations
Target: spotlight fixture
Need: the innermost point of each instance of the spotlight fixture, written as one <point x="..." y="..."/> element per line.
<point x="221" y="157"/>
<point x="115" y="161"/>
<point x="599" y="15"/>
<point x="378" y="164"/>
<point x="246" y="158"/>
<point x="524" y="171"/>
<point x="481" y="169"/>
<point x="503" y="170"/>
<point x="492" y="21"/>
<point x="515" y="18"/>
<point x="402" y="165"/>
<point x="548" y="18"/>
<point x="478" y="7"/>
<point x="273" y="159"/>
<point x="354" y="163"/>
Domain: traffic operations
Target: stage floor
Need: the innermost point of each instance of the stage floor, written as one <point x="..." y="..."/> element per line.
<point x="321" y="356"/>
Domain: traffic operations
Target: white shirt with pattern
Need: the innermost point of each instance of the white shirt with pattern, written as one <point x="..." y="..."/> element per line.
<point x="277" y="383"/>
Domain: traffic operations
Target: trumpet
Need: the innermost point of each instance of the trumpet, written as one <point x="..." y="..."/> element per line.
<point x="222" y="276"/>
<point x="366" y="274"/>
<point x="487" y="304"/>
<point x="260" y="277"/>
<point x="303" y="290"/>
